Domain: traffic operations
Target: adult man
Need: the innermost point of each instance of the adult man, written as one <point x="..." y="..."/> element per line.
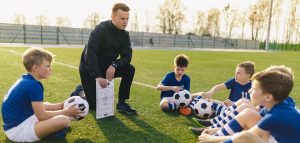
<point x="99" y="62"/>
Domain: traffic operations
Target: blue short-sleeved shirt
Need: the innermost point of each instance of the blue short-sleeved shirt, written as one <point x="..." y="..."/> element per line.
<point x="16" y="106"/>
<point x="236" y="89"/>
<point x="263" y="111"/>
<point x="283" y="122"/>
<point x="170" y="80"/>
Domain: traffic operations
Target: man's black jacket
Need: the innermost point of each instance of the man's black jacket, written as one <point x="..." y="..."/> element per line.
<point x="106" y="43"/>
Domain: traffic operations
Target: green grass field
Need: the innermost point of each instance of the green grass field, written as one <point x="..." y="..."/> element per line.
<point x="206" y="69"/>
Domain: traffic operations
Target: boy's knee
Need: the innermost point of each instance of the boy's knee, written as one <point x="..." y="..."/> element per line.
<point x="63" y="120"/>
<point x="164" y="106"/>
<point x="242" y="101"/>
<point x="242" y="107"/>
<point x="250" y="113"/>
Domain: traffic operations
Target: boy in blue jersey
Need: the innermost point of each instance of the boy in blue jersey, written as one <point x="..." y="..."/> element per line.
<point x="25" y="116"/>
<point x="270" y="89"/>
<point x="239" y="86"/>
<point x="174" y="82"/>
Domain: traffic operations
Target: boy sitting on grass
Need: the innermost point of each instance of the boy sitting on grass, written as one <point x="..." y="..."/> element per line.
<point x="174" y="82"/>
<point x="25" y="116"/>
<point x="270" y="89"/>
<point x="238" y="85"/>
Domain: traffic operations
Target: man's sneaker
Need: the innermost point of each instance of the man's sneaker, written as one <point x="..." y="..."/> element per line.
<point x="202" y="123"/>
<point x="78" y="92"/>
<point x="196" y="131"/>
<point x="124" y="107"/>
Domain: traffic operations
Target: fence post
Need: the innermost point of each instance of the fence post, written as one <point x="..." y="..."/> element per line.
<point x="81" y="36"/>
<point x="202" y="41"/>
<point x="24" y="33"/>
<point x="57" y="35"/>
<point x="188" y="39"/>
<point x="214" y="41"/>
<point x="41" y="34"/>
<point x="143" y="39"/>
<point x="158" y="40"/>
<point x="174" y="42"/>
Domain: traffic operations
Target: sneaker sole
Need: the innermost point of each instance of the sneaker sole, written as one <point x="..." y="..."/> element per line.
<point x="194" y="132"/>
<point x="194" y="119"/>
<point x="131" y="113"/>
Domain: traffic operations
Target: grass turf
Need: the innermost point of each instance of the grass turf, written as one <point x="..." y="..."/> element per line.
<point x="206" y="69"/>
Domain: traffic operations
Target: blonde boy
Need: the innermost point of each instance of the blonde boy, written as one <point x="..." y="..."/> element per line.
<point x="25" y="116"/>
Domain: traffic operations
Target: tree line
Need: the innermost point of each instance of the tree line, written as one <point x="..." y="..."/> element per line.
<point x="171" y="17"/>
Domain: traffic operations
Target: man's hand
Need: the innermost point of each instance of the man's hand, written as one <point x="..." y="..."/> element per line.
<point x="110" y="73"/>
<point x="103" y="82"/>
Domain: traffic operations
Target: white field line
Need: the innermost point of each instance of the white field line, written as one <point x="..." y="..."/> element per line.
<point x="73" y="67"/>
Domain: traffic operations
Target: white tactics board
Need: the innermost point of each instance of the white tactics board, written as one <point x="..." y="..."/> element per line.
<point x="104" y="100"/>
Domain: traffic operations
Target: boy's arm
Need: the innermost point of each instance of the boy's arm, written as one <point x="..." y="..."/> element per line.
<point x="259" y="132"/>
<point x="213" y="90"/>
<point x="53" y="106"/>
<point x="247" y="137"/>
<point x="162" y="87"/>
<point x="41" y="113"/>
<point x="204" y="138"/>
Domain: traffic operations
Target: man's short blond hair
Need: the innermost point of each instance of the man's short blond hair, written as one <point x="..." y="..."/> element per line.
<point x="120" y="6"/>
<point x="35" y="56"/>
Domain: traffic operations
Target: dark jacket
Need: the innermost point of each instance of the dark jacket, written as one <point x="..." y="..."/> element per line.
<point x="106" y="43"/>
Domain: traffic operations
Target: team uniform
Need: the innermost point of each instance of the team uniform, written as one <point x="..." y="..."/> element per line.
<point x="282" y="118"/>
<point x="282" y="121"/>
<point x="170" y="80"/>
<point x="17" y="112"/>
<point x="237" y="91"/>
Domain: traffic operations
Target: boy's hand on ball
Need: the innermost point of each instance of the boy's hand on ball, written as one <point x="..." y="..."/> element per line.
<point x="176" y="88"/>
<point x="228" y="102"/>
<point x="205" y="95"/>
<point x="73" y="111"/>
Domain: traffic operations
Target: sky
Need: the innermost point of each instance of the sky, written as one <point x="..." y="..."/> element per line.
<point x="77" y="10"/>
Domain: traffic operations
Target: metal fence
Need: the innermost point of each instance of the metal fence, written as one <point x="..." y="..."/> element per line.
<point x="34" y="34"/>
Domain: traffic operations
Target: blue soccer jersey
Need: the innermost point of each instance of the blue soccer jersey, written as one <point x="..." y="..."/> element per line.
<point x="16" y="106"/>
<point x="282" y="121"/>
<point x="290" y="101"/>
<point x="237" y="91"/>
<point x="170" y="80"/>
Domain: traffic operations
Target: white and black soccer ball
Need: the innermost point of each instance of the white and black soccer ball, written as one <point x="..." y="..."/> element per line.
<point x="182" y="98"/>
<point x="81" y="103"/>
<point x="203" y="108"/>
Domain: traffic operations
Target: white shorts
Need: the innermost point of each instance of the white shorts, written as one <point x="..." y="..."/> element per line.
<point x="24" y="132"/>
<point x="272" y="140"/>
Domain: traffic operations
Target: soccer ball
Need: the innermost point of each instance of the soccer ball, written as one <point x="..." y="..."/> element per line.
<point x="81" y="103"/>
<point x="203" y="108"/>
<point x="182" y="98"/>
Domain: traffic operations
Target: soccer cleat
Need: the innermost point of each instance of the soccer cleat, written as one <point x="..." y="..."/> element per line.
<point x="58" y="135"/>
<point x="196" y="131"/>
<point x="185" y="111"/>
<point x="79" y="92"/>
<point x="202" y="123"/>
<point x="124" y="107"/>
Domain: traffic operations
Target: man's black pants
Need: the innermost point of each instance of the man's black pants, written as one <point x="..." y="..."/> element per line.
<point x="89" y="83"/>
